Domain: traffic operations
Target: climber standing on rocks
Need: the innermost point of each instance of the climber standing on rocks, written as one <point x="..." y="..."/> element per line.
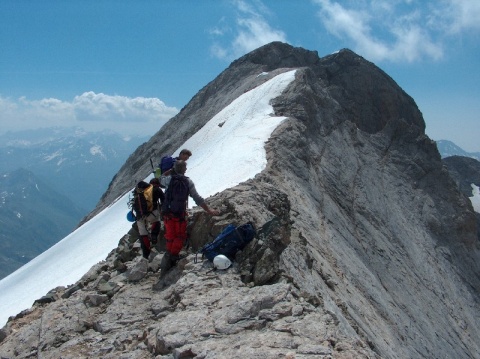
<point x="146" y="206"/>
<point x="169" y="166"/>
<point x="174" y="211"/>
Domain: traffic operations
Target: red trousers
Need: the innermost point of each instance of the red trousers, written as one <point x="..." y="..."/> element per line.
<point x="175" y="233"/>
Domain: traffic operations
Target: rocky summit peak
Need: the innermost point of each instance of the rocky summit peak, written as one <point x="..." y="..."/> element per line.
<point x="365" y="245"/>
<point x="277" y="55"/>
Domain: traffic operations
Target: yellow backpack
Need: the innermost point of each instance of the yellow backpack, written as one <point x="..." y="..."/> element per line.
<point x="143" y="199"/>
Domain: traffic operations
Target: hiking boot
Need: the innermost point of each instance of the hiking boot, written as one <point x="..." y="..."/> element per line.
<point x="174" y="260"/>
<point x="166" y="263"/>
<point x="159" y="285"/>
<point x="152" y="255"/>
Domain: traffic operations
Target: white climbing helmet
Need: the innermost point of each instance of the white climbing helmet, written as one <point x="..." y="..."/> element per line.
<point x="221" y="262"/>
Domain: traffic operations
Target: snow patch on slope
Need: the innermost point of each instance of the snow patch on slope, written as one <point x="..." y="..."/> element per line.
<point x="475" y="199"/>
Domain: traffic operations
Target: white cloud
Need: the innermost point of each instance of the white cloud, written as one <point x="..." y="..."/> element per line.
<point x="255" y="33"/>
<point x="461" y="14"/>
<point x="91" y="111"/>
<point x="100" y="107"/>
<point x="380" y="30"/>
<point x="219" y="51"/>
<point x="252" y="31"/>
<point x="412" y="44"/>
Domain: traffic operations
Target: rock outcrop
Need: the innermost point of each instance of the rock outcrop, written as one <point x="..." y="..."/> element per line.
<point x="366" y="247"/>
<point x="465" y="171"/>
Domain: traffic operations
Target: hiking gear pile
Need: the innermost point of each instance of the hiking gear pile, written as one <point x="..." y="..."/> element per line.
<point x="231" y="240"/>
<point x="221" y="262"/>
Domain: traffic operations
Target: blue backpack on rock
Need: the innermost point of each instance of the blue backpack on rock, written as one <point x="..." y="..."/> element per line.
<point x="229" y="242"/>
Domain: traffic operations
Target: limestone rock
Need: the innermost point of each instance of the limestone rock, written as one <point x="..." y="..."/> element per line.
<point x="138" y="270"/>
<point x="365" y="246"/>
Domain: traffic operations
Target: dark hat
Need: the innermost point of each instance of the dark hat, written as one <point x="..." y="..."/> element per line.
<point x="142" y="185"/>
<point x="155" y="181"/>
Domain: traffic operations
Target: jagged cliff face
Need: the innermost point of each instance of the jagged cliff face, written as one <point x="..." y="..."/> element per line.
<point x="377" y="217"/>
<point x="365" y="247"/>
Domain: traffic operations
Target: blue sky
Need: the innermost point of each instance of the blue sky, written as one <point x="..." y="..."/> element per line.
<point x="131" y="65"/>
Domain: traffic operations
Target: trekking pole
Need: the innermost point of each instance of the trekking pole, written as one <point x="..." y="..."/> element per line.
<point x="151" y="164"/>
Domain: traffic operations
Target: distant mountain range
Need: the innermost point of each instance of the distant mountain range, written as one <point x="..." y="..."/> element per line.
<point x="448" y="148"/>
<point x="50" y="179"/>
<point x="78" y="164"/>
<point x="33" y="217"/>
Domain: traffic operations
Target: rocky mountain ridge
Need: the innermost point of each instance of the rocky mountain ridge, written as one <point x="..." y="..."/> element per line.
<point x="448" y="149"/>
<point x="366" y="247"/>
